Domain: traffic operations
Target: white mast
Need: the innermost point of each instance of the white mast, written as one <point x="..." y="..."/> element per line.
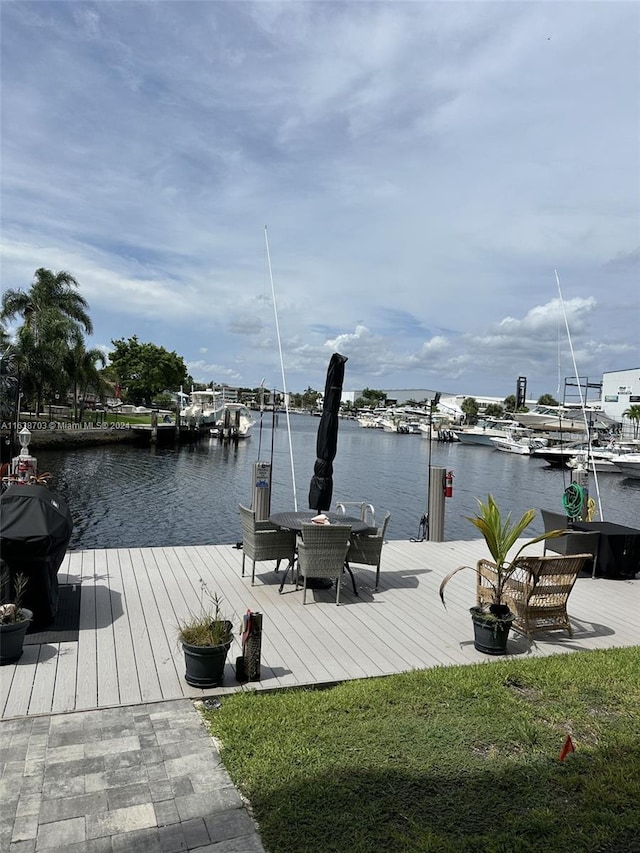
<point x="582" y="401"/>
<point x="284" y="383"/>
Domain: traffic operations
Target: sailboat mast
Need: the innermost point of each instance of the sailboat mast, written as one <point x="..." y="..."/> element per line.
<point x="582" y="400"/>
<point x="284" y="383"/>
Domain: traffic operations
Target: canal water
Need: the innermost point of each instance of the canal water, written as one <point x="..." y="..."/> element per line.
<point x="129" y="496"/>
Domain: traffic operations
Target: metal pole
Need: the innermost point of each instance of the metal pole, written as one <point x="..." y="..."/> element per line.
<point x="433" y="404"/>
<point x="427" y="524"/>
<point x="436" y="506"/>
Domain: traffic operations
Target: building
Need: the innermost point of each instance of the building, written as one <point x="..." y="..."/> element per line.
<point x="620" y="391"/>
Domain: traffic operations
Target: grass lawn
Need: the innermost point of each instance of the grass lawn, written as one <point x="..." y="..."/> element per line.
<point x="450" y="760"/>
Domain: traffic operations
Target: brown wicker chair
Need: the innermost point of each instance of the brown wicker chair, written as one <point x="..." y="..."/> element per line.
<point x="262" y="540"/>
<point x="367" y="548"/>
<point x="571" y="542"/>
<point x="536" y="591"/>
<point x="322" y="554"/>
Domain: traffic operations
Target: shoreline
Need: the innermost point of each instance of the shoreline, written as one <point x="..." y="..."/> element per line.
<point x="54" y="436"/>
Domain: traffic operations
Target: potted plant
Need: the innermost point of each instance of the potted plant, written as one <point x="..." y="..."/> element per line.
<point x="14" y="619"/>
<point x="492" y="621"/>
<point x="206" y="638"/>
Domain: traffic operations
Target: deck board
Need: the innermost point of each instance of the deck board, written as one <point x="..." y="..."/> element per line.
<point x="133" y="599"/>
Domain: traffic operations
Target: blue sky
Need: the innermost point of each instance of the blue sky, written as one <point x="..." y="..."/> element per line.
<point x="421" y="168"/>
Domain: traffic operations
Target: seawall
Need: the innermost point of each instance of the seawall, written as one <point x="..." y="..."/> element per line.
<point x="44" y="435"/>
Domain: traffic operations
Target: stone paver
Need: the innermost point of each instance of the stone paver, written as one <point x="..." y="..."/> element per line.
<point x="146" y="778"/>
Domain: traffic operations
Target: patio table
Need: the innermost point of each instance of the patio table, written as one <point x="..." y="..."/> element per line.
<point x="295" y="520"/>
<point x="618" y="548"/>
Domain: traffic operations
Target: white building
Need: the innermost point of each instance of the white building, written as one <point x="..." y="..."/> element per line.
<point x="620" y="391"/>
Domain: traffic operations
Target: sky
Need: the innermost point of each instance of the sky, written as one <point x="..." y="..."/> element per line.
<point x="406" y="178"/>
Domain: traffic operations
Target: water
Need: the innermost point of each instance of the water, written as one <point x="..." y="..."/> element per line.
<point x="125" y="496"/>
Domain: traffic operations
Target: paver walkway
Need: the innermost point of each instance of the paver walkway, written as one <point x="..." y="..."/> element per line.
<point x="143" y="778"/>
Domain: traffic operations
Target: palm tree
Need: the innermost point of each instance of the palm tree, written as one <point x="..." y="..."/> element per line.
<point x="49" y="291"/>
<point x="54" y="315"/>
<point x="8" y="377"/>
<point x="80" y="367"/>
<point x="633" y="413"/>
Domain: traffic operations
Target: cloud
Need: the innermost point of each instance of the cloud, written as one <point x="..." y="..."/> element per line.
<point x="422" y="169"/>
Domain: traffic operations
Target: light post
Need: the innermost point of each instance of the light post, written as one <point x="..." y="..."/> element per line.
<point x="433" y="405"/>
<point x="24" y="466"/>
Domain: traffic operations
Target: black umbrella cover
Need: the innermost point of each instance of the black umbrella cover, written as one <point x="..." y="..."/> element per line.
<point x="35" y="529"/>
<point x="321" y="488"/>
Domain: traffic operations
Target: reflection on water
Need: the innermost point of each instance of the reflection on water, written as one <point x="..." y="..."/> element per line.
<point x="124" y="496"/>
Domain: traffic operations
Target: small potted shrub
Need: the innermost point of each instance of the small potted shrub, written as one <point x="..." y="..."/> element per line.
<point x="206" y="638"/>
<point x="14" y="619"/>
<point x="492" y="621"/>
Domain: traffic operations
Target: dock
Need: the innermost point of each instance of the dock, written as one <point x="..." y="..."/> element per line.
<point x="132" y="599"/>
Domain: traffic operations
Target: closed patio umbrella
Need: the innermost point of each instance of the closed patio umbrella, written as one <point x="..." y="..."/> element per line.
<point x="321" y="488"/>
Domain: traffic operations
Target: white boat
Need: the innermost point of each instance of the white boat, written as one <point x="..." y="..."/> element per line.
<point x="484" y="431"/>
<point x="236" y="422"/>
<point x="204" y="408"/>
<point x="552" y="418"/>
<point x="370" y="422"/>
<point x="575" y="453"/>
<point x="511" y="444"/>
<point x="518" y="440"/>
<point x="629" y="464"/>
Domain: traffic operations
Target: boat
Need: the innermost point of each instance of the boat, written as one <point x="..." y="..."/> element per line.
<point x="370" y="422"/>
<point x="204" y="408"/>
<point x="629" y="464"/>
<point x="570" y="455"/>
<point x="518" y="440"/>
<point x="552" y="418"/>
<point x="235" y="423"/>
<point x="599" y="461"/>
<point x="484" y="431"/>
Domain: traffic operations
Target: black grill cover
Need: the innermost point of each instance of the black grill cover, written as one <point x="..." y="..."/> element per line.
<point x="35" y="529"/>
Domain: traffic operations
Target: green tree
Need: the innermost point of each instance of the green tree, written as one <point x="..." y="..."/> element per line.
<point x="494" y="410"/>
<point x="8" y="377"/>
<point x="49" y="292"/>
<point x="310" y="399"/>
<point x="547" y="400"/>
<point x="509" y="403"/>
<point x="145" y="369"/>
<point x="470" y="408"/>
<point x="41" y="355"/>
<point x="373" y="397"/>
<point x="633" y="413"/>
<point x="80" y="365"/>
<point x="54" y="315"/>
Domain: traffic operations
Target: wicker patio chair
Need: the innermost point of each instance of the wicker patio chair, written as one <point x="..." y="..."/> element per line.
<point x="572" y="542"/>
<point x="262" y="540"/>
<point x="366" y="549"/>
<point x="322" y="554"/>
<point x="536" y="592"/>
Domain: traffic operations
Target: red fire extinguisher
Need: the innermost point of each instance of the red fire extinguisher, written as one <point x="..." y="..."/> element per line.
<point x="448" y="484"/>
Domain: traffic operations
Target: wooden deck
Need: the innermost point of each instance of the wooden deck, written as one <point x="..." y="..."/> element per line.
<point x="132" y="599"/>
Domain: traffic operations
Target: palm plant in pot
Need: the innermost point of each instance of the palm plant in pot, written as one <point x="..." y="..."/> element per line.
<point x="14" y="619"/>
<point x="492" y="620"/>
<point x="206" y="637"/>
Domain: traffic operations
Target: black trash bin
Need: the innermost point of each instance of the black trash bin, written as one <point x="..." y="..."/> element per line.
<point x="35" y="529"/>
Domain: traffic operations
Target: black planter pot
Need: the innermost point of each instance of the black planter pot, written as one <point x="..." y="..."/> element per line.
<point x="12" y="637"/>
<point x="205" y="664"/>
<point x="490" y="631"/>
